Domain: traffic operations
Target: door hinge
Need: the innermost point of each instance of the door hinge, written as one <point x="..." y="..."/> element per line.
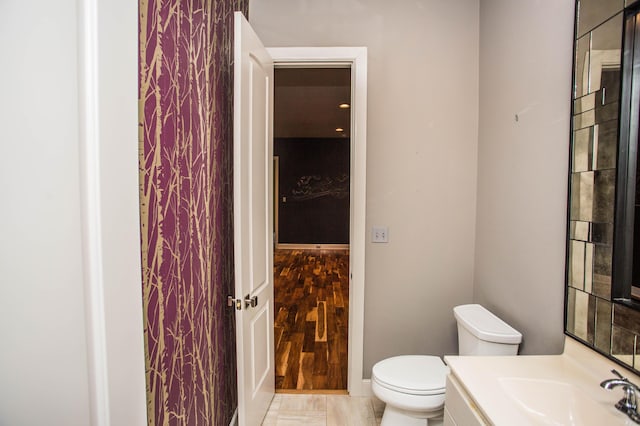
<point x="234" y="302"/>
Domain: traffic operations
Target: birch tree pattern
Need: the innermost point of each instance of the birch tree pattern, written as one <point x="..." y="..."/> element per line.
<point x="185" y="137"/>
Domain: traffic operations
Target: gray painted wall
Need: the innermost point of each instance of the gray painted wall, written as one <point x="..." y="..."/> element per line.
<point x="525" y="69"/>
<point x="445" y="82"/>
<point x="421" y="154"/>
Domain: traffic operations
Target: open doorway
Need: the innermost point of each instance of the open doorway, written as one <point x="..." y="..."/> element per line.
<point x="312" y="146"/>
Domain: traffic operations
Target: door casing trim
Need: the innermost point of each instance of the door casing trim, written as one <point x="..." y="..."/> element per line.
<point x="356" y="59"/>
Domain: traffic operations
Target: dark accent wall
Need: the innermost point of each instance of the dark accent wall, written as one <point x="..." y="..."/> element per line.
<point x="313" y="198"/>
<point x="185" y="101"/>
<point x="592" y="316"/>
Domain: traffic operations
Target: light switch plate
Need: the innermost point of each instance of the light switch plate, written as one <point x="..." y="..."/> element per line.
<point x="380" y="234"/>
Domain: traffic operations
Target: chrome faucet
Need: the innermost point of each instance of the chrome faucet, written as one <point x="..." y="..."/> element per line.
<point x="628" y="404"/>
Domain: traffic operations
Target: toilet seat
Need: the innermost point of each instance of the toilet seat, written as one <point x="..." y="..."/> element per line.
<point x="412" y="374"/>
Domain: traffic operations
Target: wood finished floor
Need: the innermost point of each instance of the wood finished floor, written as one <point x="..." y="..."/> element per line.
<point x="311" y="319"/>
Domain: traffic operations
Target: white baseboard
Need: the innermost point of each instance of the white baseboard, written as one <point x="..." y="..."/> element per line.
<point x="378" y="406"/>
<point x="366" y="388"/>
<point x="292" y="246"/>
<point x="361" y="388"/>
<point x="234" y="419"/>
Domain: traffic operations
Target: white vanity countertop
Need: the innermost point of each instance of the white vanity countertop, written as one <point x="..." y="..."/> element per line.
<point x="548" y="389"/>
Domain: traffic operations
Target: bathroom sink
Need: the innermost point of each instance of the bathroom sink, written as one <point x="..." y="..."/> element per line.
<point x="550" y="402"/>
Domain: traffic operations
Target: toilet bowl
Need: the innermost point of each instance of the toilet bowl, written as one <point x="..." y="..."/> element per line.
<point x="413" y="386"/>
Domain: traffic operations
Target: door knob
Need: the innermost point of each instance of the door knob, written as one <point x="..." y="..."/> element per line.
<point x="250" y="301"/>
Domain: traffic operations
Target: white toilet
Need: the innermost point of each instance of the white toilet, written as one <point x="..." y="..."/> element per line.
<point x="412" y="386"/>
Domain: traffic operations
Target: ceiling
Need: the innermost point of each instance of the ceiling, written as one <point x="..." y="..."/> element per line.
<point x="306" y="102"/>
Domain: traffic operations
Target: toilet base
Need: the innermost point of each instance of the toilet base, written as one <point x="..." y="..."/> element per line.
<point x="394" y="416"/>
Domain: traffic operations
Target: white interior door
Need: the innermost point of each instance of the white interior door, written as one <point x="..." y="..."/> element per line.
<point x="253" y="224"/>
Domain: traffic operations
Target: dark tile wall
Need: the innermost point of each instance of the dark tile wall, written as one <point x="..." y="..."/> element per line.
<point x="610" y="328"/>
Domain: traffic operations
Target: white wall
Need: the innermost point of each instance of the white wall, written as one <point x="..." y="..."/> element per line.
<point x="43" y="360"/>
<point x="421" y="154"/>
<point x="525" y="69"/>
<point x="55" y="369"/>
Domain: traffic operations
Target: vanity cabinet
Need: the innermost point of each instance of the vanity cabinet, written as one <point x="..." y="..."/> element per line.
<point x="459" y="407"/>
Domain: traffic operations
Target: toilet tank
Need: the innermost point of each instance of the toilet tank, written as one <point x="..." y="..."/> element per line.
<point x="482" y="333"/>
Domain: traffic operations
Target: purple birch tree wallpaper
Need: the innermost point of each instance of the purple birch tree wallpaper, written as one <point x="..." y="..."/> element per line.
<point x="186" y="166"/>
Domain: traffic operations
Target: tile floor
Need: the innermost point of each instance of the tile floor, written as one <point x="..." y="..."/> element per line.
<point x="323" y="410"/>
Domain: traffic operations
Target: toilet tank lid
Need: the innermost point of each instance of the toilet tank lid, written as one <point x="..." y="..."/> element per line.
<point x="485" y="325"/>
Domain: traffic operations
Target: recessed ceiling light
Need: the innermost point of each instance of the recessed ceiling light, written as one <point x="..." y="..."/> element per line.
<point x="339" y="129"/>
<point x="344" y="106"/>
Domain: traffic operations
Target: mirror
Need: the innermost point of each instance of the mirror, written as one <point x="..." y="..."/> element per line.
<point x="600" y="307"/>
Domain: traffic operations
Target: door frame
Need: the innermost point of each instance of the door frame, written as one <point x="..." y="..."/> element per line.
<point x="356" y="58"/>
<point x="276" y="191"/>
<point x="110" y="212"/>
